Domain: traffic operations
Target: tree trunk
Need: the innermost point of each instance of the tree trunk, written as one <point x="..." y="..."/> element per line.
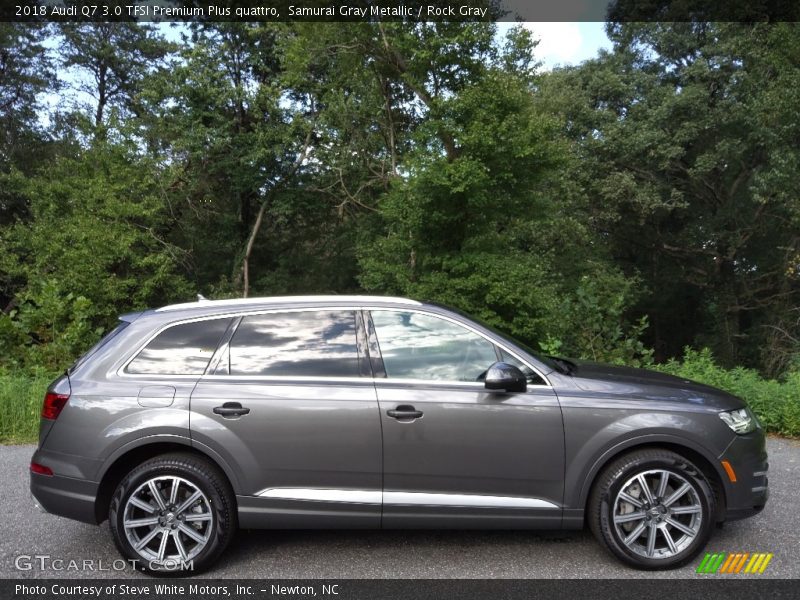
<point x="248" y="251"/>
<point x="728" y="316"/>
<point x="102" y="72"/>
<point x="245" y="213"/>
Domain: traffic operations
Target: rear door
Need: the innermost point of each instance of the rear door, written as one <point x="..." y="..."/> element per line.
<point x="455" y="455"/>
<point x="289" y="402"/>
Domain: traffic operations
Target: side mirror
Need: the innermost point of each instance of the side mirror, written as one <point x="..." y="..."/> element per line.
<point x="503" y="377"/>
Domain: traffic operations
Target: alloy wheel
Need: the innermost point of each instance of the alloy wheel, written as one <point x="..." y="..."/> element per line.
<point x="657" y="514"/>
<point x="168" y="520"/>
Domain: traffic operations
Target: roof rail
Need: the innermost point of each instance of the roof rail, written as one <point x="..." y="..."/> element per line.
<point x="203" y="302"/>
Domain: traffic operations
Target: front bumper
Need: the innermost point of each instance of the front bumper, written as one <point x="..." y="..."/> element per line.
<point x="747" y="454"/>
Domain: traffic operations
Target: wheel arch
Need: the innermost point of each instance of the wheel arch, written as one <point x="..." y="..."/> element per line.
<point x="132" y="455"/>
<point x="692" y="452"/>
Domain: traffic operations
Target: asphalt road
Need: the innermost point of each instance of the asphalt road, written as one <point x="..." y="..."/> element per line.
<point x="395" y="554"/>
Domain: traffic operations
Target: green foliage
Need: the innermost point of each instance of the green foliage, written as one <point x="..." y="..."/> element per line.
<point x="25" y="74"/>
<point x="486" y="226"/>
<point x="114" y="59"/>
<point x="92" y="247"/>
<point x="777" y="403"/>
<point x="687" y="134"/>
<point x="47" y="327"/>
<point x="595" y="325"/>
<point x="646" y="199"/>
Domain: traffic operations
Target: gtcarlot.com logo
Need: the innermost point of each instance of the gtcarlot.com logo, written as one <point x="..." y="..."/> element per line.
<point x="734" y="562"/>
<point x="45" y="562"/>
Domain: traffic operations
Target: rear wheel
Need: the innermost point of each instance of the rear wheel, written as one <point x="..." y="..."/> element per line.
<point x="653" y="509"/>
<point x="173" y="514"/>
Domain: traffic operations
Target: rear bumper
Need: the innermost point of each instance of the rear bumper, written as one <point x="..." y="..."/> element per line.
<point x="747" y="455"/>
<point x="65" y="496"/>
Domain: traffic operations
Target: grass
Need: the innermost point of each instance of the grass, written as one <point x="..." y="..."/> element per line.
<point x="777" y="403"/>
<point x="21" y="398"/>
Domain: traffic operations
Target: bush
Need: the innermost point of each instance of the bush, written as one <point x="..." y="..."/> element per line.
<point x="21" y="398"/>
<point x="777" y="403"/>
<point x="594" y="322"/>
<point x="47" y="326"/>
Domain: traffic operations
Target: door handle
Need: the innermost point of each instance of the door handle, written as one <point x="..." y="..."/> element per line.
<point x="231" y="409"/>
<point x="404" y="411"/>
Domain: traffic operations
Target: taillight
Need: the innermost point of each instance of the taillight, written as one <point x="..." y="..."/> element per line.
<point x="53" y="405"/>
<point x="40" y="469"/>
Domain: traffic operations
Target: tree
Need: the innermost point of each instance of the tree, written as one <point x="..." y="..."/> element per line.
<point x="479" y="219"/>
<point x="115" y="58"/>
<point x="689" y="145"/>
<point x="25" y="74"/>
<point x="648" y="195"/>
<point x="93" y="247"/>
<point x="228" y="144"/>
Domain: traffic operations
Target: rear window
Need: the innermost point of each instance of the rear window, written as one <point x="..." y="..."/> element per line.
<point x="296" y="344"/>
<point x="181" y="349"/>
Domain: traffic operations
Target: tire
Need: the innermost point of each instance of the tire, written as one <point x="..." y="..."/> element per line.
<point x="686" y="499"/>
<point x="188" y="529"/>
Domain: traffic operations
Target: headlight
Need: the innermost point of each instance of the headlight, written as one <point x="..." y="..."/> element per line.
<point x="741" y="420"/>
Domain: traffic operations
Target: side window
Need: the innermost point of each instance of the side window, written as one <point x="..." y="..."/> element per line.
<point x="419" y="346"/>
<point x="298" y="344"/>
<point x="180" y="350"/>
<point x="533" y="376"/>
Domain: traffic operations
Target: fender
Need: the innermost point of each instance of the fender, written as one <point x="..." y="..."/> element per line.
<point x="641" y="440"/>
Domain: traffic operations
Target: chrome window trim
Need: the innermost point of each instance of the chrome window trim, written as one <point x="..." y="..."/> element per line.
<point x="286" y="378"/>
<point x="397" y="498"/>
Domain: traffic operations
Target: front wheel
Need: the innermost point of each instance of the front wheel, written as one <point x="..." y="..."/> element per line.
<point x="173" y="514"/>
<point x="653" y="509"/>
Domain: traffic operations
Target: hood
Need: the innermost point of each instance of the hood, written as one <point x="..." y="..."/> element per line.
<point x="650" y="385"/>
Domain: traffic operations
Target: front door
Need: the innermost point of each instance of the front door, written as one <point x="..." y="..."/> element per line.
<point x="290" y="405"/>
<point x="455" y="455"/>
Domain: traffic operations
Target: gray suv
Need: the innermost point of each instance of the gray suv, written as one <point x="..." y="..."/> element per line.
<point x="189" y="421"/>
